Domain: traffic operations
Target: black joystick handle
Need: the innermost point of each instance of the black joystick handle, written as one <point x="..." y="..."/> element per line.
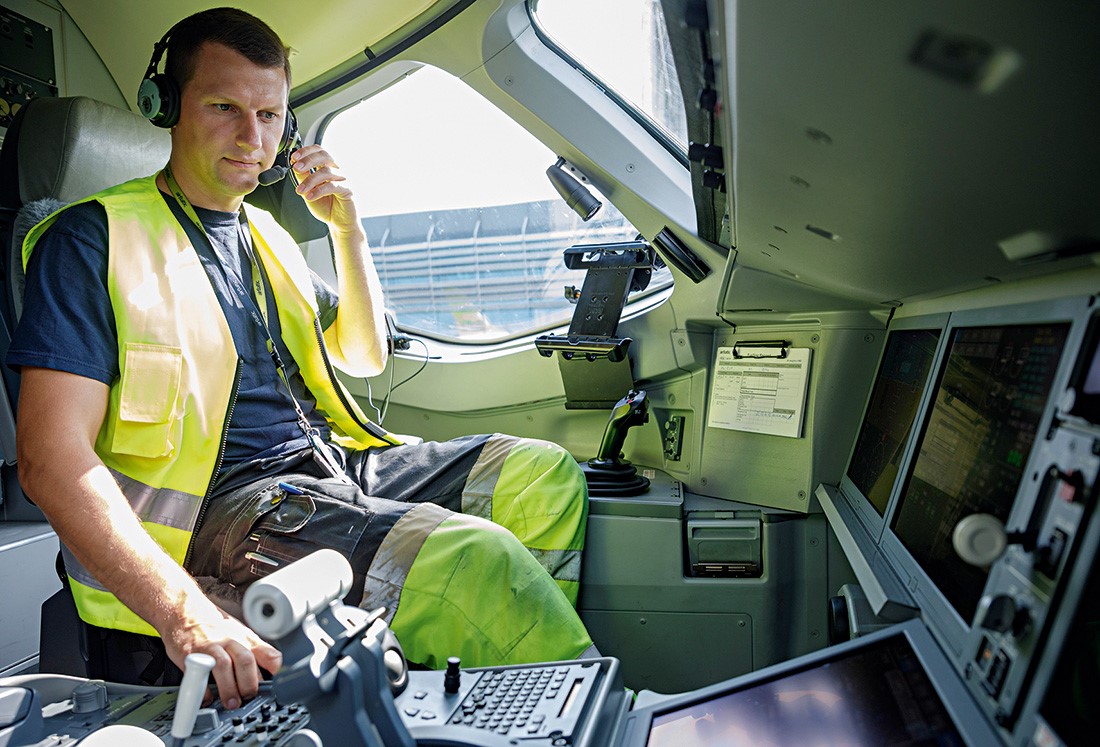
<point x="631" y="410"/>
<point x="452" y="678"/>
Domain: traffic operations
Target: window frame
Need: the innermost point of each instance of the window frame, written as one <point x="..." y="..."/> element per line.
<point x="656" y="131"/>
<point x="638" y="303"/>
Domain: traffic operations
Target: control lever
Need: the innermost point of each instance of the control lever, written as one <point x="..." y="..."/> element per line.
<point x="197" y="668"/>
<point x="980" y="539"/>
<point x="631" y="410"/>
<point x="452" y="680"/>
<point x="334" y="655"/>
<point x="608" y="474"/>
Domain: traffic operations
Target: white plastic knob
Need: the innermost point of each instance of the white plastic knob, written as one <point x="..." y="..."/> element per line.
<point x="121" y="734"/>
<point x="197" y="668"/>
<point x="277" y="604"/>
<point x="980" y="539"/>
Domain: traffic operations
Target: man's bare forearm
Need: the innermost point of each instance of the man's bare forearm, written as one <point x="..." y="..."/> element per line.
<point x="61" y="472"/>
<point x="360" y="326"/>
<point x="357" y="339"/>
<point x="95" y="521"/>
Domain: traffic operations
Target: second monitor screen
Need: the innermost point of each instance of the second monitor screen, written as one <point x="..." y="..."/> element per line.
<point x="974" y="445"/>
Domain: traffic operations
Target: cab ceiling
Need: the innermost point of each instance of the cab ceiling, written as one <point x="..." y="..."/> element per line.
<point x="320" y="38"/>
<point x="890" y="150"/>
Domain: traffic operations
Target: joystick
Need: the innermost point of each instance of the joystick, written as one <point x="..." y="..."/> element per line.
<point x="452" y="679"/>
<point x="608" y="474"/>
<point x="197" y="668"/>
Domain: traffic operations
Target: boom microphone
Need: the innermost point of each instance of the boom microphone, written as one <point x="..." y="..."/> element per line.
<point x="274" y="174"/>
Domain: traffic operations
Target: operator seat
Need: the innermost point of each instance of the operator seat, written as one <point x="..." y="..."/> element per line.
<point x="56" y="151"/>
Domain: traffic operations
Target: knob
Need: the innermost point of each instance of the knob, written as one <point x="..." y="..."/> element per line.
<point x="1000" y="614"/>
<point x="453" y="675"/>
<point x="1006" y="615"/>
<point x="980" y="539"/>
<point x="90" y="696"/>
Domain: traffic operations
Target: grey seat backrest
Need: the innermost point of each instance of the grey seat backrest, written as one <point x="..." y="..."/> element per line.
<point x="69" y="148"/>
<point x="60" y="150"/>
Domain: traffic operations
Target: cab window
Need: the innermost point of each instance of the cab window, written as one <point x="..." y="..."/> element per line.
<point x="466" y="231"/>
<point x="633" y="63"/>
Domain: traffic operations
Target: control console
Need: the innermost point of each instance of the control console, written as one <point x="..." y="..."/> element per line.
<point x="344" y="682"/>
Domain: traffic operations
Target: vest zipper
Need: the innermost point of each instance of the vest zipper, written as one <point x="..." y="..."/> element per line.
<point x="217" y="463"/>
<point x="370" y="426"/>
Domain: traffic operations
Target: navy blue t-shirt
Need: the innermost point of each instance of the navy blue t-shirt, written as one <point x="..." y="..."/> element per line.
<point x="68" y="325"/>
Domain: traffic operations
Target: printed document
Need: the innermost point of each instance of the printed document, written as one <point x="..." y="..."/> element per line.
<point x="760" y="395"/>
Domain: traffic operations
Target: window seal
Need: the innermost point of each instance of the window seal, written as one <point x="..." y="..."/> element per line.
<point x="641" y="302"/>
<point x="452" y="349"/>
<point x="377" y="59"/>
<point x="656" y="131"/>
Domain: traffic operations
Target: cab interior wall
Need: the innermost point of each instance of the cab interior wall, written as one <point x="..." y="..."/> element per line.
<point x="904" y="251"/>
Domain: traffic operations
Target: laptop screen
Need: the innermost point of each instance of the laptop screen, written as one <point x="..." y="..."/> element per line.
<point x="871" y="696"/>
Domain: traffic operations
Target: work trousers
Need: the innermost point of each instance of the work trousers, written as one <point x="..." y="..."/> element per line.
<point x="473" y="545"/>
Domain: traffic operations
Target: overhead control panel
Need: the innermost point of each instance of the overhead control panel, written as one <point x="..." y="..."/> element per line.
<point x="26" y="63"/>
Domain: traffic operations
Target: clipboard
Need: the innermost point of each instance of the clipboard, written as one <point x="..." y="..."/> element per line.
<point x="760" y="387"/>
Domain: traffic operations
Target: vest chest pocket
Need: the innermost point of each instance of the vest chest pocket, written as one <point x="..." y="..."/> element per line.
<point x="147" y="419"/>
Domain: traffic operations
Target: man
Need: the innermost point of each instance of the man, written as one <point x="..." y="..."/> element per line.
<point x="178" y="407"/>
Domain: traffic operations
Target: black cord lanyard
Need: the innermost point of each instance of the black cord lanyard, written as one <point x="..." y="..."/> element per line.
<point x="257" y="302"/>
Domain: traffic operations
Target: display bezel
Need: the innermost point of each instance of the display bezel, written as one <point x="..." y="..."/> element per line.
<point x="960" y="708"/>
<point x="861" y="504"/>
<point x="941" y="615"/>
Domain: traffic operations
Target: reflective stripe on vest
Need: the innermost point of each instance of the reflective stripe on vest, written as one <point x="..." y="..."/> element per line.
<point x="167" y="411"/>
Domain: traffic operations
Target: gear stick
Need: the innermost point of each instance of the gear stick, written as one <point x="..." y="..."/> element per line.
<point x="608" y="474"/>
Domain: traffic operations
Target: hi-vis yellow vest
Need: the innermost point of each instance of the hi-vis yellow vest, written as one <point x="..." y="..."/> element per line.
<point x="163" y="434"/>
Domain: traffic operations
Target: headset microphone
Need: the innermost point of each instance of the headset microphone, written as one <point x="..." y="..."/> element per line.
<point x="273" y="175"/>
<point x="292" y="141"/>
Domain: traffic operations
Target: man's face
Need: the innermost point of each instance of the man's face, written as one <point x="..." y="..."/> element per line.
<point x="230" y="125"/>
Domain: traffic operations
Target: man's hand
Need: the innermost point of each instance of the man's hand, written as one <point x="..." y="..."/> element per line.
<point x="324" y="189"/>
<point x="236" y="649"/>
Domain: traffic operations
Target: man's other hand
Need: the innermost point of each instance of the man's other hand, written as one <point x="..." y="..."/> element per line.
<point x="325" y="189"/>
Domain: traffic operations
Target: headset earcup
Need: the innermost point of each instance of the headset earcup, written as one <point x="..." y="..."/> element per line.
<point x="159" y="100"/>
<point x="288" y="132"/>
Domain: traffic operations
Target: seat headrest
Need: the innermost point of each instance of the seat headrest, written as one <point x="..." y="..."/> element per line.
<point x="70" y="148"/>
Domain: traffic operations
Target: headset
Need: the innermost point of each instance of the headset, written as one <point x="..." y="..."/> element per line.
<point x="158" y="100"/>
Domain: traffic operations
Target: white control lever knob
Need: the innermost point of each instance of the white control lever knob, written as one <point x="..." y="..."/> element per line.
<point x="197" y="668"/>
<point x="980" y="539"/>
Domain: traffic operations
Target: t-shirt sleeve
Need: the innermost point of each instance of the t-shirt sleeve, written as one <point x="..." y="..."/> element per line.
<point x="327" y="301"/>
<point x="68" y="323"/>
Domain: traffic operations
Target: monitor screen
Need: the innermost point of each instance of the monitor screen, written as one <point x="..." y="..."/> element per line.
<point x="875" y="695"/>
<point x="975" y="442"/>
<point x="899" y="386"/>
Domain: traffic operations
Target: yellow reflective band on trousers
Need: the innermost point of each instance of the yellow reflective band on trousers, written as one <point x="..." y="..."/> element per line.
<point x="536" y="490"/>
<point x="475" y="592"/>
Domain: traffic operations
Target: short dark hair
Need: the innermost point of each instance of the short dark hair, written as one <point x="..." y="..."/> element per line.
<point x="231" y="27"/>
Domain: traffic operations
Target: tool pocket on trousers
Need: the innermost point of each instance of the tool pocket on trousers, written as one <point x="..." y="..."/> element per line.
<point x="256" y="541"/>
<point x="283" y="526"/>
